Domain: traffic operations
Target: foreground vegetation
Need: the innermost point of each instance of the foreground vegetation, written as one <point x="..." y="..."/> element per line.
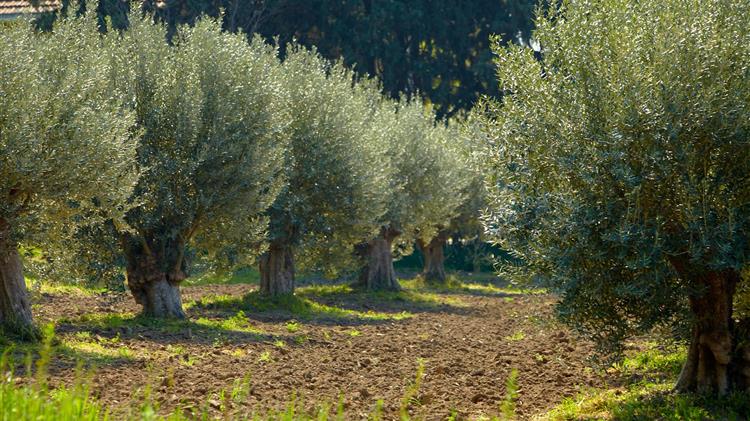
<point x="637" y="388"/>
<point x="642" y="388"/>
<point x="26" y="394"/>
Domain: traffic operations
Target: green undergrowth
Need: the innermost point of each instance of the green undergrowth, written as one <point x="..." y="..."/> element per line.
<point x="412" y="295"/>
<point x="95" y="350"/>
<point x="237" y="323"/>
<point x="459" y="285"/>
<point x="647" y="377"/>
<point x="297" y="306"/>
<point x="54" y="288"/>
<point x="246" y="275"/>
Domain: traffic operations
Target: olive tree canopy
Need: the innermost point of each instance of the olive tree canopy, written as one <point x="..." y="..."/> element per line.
<point x="67" y="153"/>
<point x="618" y="171"/>
<point x="466" y="226"/>
<point x="212" y="118"/>
<point x="336" y="173"/>
<point x="426" y="182"/>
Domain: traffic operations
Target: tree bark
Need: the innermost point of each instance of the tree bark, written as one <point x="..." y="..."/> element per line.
<point x="718" y="359"/>
<point x="378" y="272"/>
<point x="15" y="305"/>
<point x="434" y="258"/>
<point x="277" y="270"/>
<point x="155" y="271"/>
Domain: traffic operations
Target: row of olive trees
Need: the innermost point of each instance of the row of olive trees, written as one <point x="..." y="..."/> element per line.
<point x="619" y="172"/>
<point x="127" y="144"/>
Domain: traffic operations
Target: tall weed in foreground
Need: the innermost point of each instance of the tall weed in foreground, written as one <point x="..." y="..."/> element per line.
<point x="36" y="402"/>
<point x="410" y="395"/>
<point x="508" y="405"/>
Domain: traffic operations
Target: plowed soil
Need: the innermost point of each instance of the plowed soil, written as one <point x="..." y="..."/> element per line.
<point x="468" y="343"/>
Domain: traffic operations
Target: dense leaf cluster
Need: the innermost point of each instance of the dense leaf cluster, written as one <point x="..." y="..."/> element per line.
<point x="67" y="145"/>
<point x="622" y="157"/>
<point x="212" y="115"/>
<point x="199" y="141"/>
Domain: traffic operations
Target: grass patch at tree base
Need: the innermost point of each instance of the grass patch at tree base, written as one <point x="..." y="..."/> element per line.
<point x="645" y="391"/>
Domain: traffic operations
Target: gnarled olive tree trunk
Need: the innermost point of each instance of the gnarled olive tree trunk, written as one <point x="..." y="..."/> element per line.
<point x="277" y="270"/>
<point x="378" y="272"/>
<point x="155" y="270"/>
<point x="15" y="306"/>
<point x="718" y="357"/>
<point x="434" y="258"/>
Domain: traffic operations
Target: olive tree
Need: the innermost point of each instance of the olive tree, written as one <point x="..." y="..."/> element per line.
<point x="67" y="154"/>
<point x="335" y="172"/>
<point x="465" y="228"/>
<point x="618" y="169"/>
<point x="426" y="180"/>
<point x="211" y="117"/>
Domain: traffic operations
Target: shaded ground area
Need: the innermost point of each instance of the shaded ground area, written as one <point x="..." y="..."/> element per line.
<point x="328" y="343"/>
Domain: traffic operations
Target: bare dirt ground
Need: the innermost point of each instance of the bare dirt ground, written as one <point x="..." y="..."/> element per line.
<point x="325" y="346"/>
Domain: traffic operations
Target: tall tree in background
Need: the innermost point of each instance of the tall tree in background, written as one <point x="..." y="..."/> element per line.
<point x="67" y="153"/>
<point x="439" y="48"/>
<point x="618" y="172"/>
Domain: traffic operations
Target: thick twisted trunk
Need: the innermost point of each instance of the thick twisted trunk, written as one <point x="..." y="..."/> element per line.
<point x="15" y="306"/>
<point x="154" y="272"/>
<point x="378" y="272"/>
<point x="277" y="270"/>
<point x="434" y="258"/>
<point x="718" y="359"/>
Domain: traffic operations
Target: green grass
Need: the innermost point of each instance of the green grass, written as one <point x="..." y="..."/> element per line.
<point x="649" y="375"/>
<point x="265" y="357"/>
<point x="238" y="323"/>
<point x="241" y="276"/>
<point x="293" y="306"/>
<point x="292" y="326"/>
<point x="652" y="362"/>
<point x="215" y="327"/>
<point x="412" y="295"/>
<point x="96" y="351"/>
<point x="508" y="405"/>
<point x="35" y="403"/>
<point x="38" y="402"/>
<point x="455" y="285"/>
<point x="61" y="289"/>
<point x="516" y="336"/>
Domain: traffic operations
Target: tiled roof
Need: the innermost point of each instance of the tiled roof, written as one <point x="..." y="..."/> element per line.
<point x="13" y="8"/>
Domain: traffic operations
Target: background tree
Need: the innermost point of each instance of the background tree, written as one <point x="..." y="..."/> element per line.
<point x="426" y="182"/>
<point x="211" y="113"/>
<point x="619" y="171"/>
<point x="465" y="230"/>
<point x="67" y="155"/>
<point x="335" y="171"/>
<point x="439" y="48"/>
